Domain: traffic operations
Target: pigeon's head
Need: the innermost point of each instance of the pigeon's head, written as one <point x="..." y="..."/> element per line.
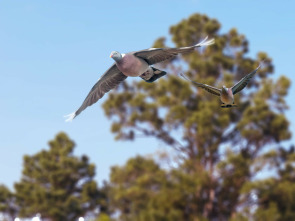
<point x="116" y="55"/>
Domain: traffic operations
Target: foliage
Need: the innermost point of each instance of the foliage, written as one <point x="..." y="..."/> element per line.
<point x="221" y="152"/>
<point x="142" y="191"/>
<point x="276" y="195"/>
<point x="218" y="146"/>
<point x="8" y="205"/>
<point x="57" y="184"/>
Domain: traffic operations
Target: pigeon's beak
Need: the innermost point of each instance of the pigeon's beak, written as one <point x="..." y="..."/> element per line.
<point x="111" y="56"/>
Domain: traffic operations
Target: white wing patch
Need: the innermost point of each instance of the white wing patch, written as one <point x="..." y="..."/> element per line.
<point x="185" y="47"/>
<point x="70" y="117"/>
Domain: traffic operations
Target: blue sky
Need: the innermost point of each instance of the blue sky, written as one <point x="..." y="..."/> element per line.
<point x="52" y="52"/>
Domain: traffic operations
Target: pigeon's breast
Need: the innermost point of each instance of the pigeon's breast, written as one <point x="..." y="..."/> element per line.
<point x="227" y="97"/>
<point x="132" y="66"/>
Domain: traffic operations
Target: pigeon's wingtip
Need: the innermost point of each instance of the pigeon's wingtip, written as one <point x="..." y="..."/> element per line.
<point x="205" y="42"/>
<point x="261" y="62"/>
<point x="70" y="117"/>
<point x="184" y="76"/>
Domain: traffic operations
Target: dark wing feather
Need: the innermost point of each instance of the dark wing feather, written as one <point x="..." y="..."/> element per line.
<point x="156" y="55"/>
<point x="212" y="90"/>
<point x="243" y="82"/>
<point x="110" y="79"/>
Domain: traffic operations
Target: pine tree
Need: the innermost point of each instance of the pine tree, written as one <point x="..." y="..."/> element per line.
<point x="218" y="145"/>
<point x="275" y="195"/>
<point x="8" y="206"/>
<point x="57" y="184"/>
<point x="142" y="191"/>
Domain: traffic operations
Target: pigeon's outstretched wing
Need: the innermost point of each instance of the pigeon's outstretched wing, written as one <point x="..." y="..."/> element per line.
<point x="156" y="55"/>
<point x="244" y="81"/>
<point x="110" y="79"/>
<point x="212" y="90"/>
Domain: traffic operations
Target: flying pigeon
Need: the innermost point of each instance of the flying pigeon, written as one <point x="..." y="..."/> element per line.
<point x="226" y="94"/>
<point x="133" y="64"/>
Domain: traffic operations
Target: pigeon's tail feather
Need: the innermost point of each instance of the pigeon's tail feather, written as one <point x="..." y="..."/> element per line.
<point x="205" y="42"/>
<point x="70" y="117"/>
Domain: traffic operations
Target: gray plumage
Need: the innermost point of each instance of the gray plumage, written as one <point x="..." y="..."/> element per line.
<point x="244" y="81"/>
<point x="157" y="55"/>
<point x="226" y="94"/>
<point x="133" y="64"/>
<point x="108" y="81"/>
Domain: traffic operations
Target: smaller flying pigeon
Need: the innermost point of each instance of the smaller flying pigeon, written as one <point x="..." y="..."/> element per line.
<point x="226" y="94"/>
<point x="133" y="64"/>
